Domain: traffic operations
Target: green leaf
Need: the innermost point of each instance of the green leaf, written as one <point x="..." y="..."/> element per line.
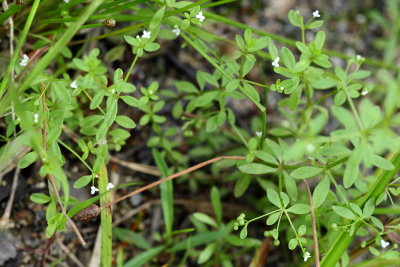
<point x="356" y="209"/>
<point x="151" y="47"/>
<point x="306" y="172"/>
<point x="157" y="18"/>
<point x="96" y="100"/>
<point x="202" y="217"/>
<point x="265" y="156"/>
<point x="27" y="159"/>
<point x="299" y="208"/>
<point x="205" y="77"/>
<point x="111" y="112"/>
<point x="288" y="58"/>
<point x="251" y="93"/>
<point x="63" y="95"/>
<point x="360" y="74"/>
<point x="382" y="163"/>
<point x="315" y="24"/>
<point x="83" y="181"/>
<point x="321" y="192"/>
<point x="273" y="218"/>
<point x="177" y="110"/>
<point x="302" y="230"/>
<point x="243" y="232"/>
<point x="377" y="222"/>
<point x="125" y="122"/>
<point x="131" y="237"/>
<point x="40" y="198"/>
<point x="344" y="212"/>
<point x="130" y="40"/>
<point x="319" y="40"/>
<point x="273" y="197"/>
<point x="131" y="101"/>
<point x="206" y="254"/>
<point x="212" y="123"/>
<point x="186" y="87"/>
<point x="290" y="185"/>
<point x="260" y="44"/>
<point x="294" y="18"/>
<point x="273" y="51"/>
<point x="370" y="114"/>
<point x="144" y="257"/>
<point x="241" y="185"/>
<point x="256" y="168"/>
<point x="206" y="98"/>
<point x="369" y="208"/>
<point x="216" y="203"/>
<point x="340" y="98"/>
<point x="292" y="243"/>
<point x="352" y="169"/>
<point x="166" y="191"/>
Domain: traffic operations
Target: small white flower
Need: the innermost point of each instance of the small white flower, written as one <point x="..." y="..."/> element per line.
<point x="138" y="37"/>
<point x="109" y="186"/>
<point x="73" y="85"/>
<point x="306" y="255"/>
<point x="113" y="91"/>
<point x="146" y="34"/>
<point x="275" y="63"/>
<point x="176" y="30"/>
<point x="365" y="92"/>
<point x="97" y="176"/>
<point x="359" y="57"/>
<point x="316" y="14"/>
<point x="35" y="118"/>
<point x="24" y="60"/>
<point x="93" y="190"/>
<point x="200" y="16"/>
<point x="384" y="244"/>
<point x="66" y="1"/>
<point x="258" y="133"/>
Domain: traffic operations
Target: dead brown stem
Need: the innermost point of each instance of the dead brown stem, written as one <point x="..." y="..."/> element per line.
<point x="188" y="170"/>
<point x="314" y="227"/>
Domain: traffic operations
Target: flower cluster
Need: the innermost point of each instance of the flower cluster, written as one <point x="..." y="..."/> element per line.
<point x="145" y="35"/>
<point x="239" y="221"/>
<point x="275" y="63"/>
<point x="94" y="189"/>
<point x="24" y="60"/>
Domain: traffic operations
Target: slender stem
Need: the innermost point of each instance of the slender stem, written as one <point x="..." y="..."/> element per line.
<point x="262" y="216"/>
<point x="314" y="226"/>
<point x="353" y="109"/>
<point x="338" y="188"/>
<point x="176" y="175"/>
<point x="75" y="154"/>
<point x="106" y="221"/>
<point x="21" y="42"/>
<point x="130" y="68"/>
<point x="344" y="239"/>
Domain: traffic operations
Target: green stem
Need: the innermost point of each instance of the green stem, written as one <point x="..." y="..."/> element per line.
<point x="338" y="188"/>
<point x="106" y="221"/>
<point x="290" y="42"/>
<point x="130" y="68"/>
<point x="75" y="154"/>
<point x="343" y="241"/>
<point x="354" y="110"/>
<point x="21" y="42"/>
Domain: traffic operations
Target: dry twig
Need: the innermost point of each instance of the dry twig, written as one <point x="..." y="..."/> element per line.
<point x="314" y="227"/>
<point x="188" y="170"/>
